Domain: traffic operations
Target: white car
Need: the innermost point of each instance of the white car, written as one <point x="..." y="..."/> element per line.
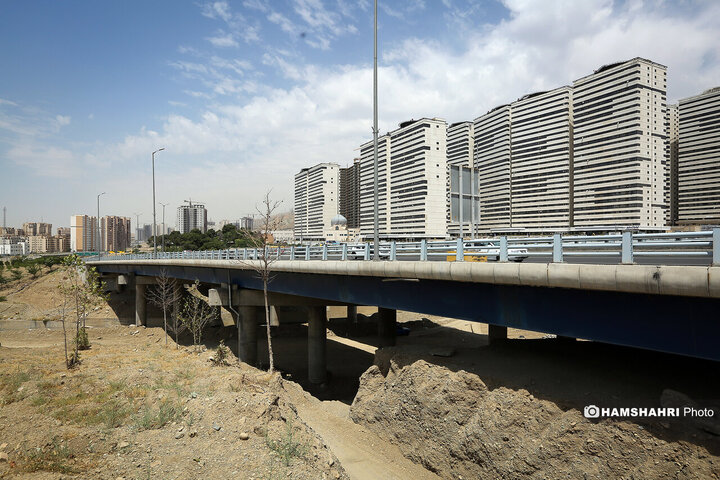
<point x="357" y="251"/>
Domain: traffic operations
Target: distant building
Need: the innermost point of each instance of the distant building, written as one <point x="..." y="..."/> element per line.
<point x="460" y="144"/>
<point x="37" y="228"/>
<point x="115" y="233"/>
<point x="699" y="159"/>
<point x="463" y="200"/>
<point x="84" y="233"/>
<point x="247" y="223"/>
<point x="316" y="200"/>
<point x="63" y="231"/>
<point x="191" y="217"/>
<point x="20" y="248"/>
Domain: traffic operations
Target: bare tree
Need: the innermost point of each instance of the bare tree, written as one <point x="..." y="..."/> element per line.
<point x="81" y="286"/>
<point x="164" y="295"/>
<point x="265" y="255"/>
<point x="196" y="314"/>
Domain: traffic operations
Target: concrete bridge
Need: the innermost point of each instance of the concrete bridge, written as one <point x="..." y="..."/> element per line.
<point x="674" y="309"/>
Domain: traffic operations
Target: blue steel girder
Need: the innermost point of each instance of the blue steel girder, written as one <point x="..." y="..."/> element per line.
<point x="675" y="324"/>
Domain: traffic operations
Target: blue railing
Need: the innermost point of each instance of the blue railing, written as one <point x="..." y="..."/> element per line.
<point x="624" y="247"/>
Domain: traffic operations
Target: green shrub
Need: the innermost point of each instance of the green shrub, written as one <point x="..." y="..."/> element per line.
<point x="83" y="343"/>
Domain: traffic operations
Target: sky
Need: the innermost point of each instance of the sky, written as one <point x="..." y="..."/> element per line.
<point x="243" y="94"/>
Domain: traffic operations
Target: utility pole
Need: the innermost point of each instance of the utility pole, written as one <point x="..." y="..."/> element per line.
<point x="4" y="223"/>
<point x="163" y="225"/>
<point x="376" y="232"/>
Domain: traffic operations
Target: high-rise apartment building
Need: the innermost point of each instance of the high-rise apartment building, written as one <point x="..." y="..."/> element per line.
<point x="191" y="217"/>
<point x="349" y="199"/>
<point x="247" y="223"/>
<point x="619" y="143"/>
<point x="492" y="157"/>
<point x="412" y="185"/>
<point x="699" y="159"/>
<point x="83" y="233"/>
<point x="37" y="228"/>
<point x="672" y="127"/>
<point x="316" y="200"/>
<point x="115" y="233"/>
<point x="367" y="187"/>
<point x="541" y="166"/>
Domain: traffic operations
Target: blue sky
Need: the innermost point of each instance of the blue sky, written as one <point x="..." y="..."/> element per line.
<point x="242" y="94"/>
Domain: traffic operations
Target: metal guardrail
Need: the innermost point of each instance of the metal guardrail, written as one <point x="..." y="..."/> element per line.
<point x="625" y="247"/>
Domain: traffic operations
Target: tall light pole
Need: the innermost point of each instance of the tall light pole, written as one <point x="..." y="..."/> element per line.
<point x="98" y="223"/>
<point x="163" y="225"/>
<point x="154" y="221"/>
<point x="376" y="232"/>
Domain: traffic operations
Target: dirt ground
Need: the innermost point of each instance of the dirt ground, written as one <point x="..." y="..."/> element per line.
<point x="441" y="404"/>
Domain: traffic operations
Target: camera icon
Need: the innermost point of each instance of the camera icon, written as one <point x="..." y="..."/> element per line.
<point x="591" y="411"/>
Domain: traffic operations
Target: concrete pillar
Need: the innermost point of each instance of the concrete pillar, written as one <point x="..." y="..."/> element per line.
<point x="352" y="313"/>
<point x="496" y="333"/>
<point x="140" y="305"/>
<point x="177" y="295"/>
<point x="317" y="344"/>
<point x="387" y="326"/>
<point x="247" y="334"/>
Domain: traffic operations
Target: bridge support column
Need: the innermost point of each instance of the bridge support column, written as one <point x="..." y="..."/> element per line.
<point x="140" y="304"/>
<point x="247" y="334"/>
<point x="496" y="333"/>
<point x="352" y="313"/>
<point x="317" y="344"/>
<point x="387" y="326"/>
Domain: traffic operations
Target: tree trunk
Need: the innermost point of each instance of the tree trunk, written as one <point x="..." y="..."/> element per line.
<point x="267" y="324"/>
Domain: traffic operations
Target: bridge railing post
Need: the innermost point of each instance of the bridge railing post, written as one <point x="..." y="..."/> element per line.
<point x="307" y="252"/>
<point x="245" y="253"/>
<point x="423" y="250"/>
<point x="459" y="251"/>
<point x="716" y="246"/>
<point x="557" y="248"/>
<point x="627" y="247"/>
<point x="503" y="249"/>
<point x="292" y="252"/>
<point x="324" y="251"/>
<point x="367" y="251"/>
<point x="344" y="251"/>
<point x="393" y="251"/>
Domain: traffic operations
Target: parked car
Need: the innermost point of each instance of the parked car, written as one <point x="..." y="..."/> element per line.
<point x="356" y="251"/>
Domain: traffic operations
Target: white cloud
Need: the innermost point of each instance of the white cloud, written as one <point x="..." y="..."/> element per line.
<point x="62" y="120"/>
<point x="223" y="39"/>
<point x="45" y="161"/>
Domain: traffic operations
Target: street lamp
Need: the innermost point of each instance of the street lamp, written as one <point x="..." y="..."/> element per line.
<point x="376" y="229"/>
<point x="163" y="225"/>
<point x="98" y="223"/>
<point x="154" y="221"/>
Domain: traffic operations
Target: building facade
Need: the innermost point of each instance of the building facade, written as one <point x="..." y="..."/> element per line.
<point x="698" y="172"/>
<point x="349" y="200"/>
<point x="37" y="228"/>
<point x="83" y="233"/>
<point x="191" y="217"/>
<point x="115" y="233"/>
<point x="316" y="200"/>
<point x="672" y="127"/>
<point x="492" y="159"/>
<point x="412" y="177"/>
<point x="542" y="161"/>
<point x="619" y="143"/>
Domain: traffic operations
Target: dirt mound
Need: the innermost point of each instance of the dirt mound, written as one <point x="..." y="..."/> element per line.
<point x="452" y="424"/>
